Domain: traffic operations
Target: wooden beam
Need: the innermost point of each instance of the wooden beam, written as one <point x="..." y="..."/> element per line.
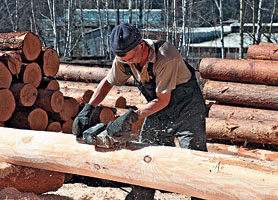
<point x="196" y="173"/>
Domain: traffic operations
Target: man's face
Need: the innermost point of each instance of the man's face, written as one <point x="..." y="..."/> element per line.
<point x="131" y="57"/>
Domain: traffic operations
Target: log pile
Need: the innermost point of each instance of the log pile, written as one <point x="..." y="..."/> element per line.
<point x="244" y="95"/>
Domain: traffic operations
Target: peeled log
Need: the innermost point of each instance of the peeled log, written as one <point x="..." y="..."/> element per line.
<point x="54" y="127"/>
<point x="234" y="112"/>
<point x="27" y="42"/>
<point x="12" y="60"/>
<point x="25" y="94"/>
<point x="49" y="84"/>
<point x="67" y="126"/>
<point x="7" y="104"/>
<point x="85" y="74"/>
<point x="262" y="52"/>
<point x="36" y="119"/>
<point x="242" y="151"/>
<point x="27" y="179"/>
<point x="49" y="61"/>
<point x="50" y="100"/>
<point x="31" y="73"/>
<point x="243" y="94"/>
<point x="249" y="71"/>
<point x="195" y="173"/>
<point x="262" y="132"/>
<point x="5" y="77"/>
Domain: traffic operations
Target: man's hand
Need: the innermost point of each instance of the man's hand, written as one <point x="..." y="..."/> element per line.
<point x="82" y="121"/>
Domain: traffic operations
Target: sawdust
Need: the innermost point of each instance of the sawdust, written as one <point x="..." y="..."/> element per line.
<point x="80" y="191"/>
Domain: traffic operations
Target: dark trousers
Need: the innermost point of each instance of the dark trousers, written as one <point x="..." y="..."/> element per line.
<point x="183" y="118"/>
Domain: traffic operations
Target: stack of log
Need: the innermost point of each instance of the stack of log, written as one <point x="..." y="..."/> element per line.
<point x="244" y="96"/>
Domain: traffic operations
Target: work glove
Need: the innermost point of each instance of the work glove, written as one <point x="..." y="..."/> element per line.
<point x="82" y="120"/>
<point x="116" y="130"/>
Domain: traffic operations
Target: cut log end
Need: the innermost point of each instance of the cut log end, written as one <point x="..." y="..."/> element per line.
<point x="25" y="94"/>
<point x="38" y="119"/>
<point x="120" y="102"/>
<point x="57" y="101"/>
<point x="7" y="104"/>
<point x="31" y="46"/>
<point x="32" y="74"/>
<point x="87" y="96"/>
<point x="69" y="110"/>
<point x="106" y="115"/>
<point x="50" y="62"/>
<point x="13" y="61"/>
<point x="54" y="127"/>
<point x="67" y="126"/>
<point x="5" y="77"/>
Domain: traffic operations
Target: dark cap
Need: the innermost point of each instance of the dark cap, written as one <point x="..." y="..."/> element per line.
<point x="124" y="38"/>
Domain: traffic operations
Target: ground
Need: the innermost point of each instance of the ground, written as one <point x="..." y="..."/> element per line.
<point x="80" y="191"/>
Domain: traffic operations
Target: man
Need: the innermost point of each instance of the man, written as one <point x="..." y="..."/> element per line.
<point x="175" y="105"/>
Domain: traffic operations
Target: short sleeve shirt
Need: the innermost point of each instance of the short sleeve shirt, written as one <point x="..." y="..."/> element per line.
<point x="169" y="68"/>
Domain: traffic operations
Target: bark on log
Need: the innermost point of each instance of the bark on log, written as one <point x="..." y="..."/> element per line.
<point x="5" y="77"/>
<point x="25" y="94"/>
<point x="234" y="150"/>
<point x="31" y="73"/>
<point x="262" y="52"/>
<point x="120" y="102"/>
<point x="49" y="84"/>
<point x="234" y="112"/>
<point x="67" y="126"/>
<point x="49" y="61"/>
<point x="85" y="74"/>
<point x="262" y="132"/>
<point x="195" y="173"/>
<point x="7" y="104"/>
<point x="248" y="71"/>
<point x="268" y="44"/>
<point x="69" y="110"/>
<point x="77" y="89"/>
<point x="262" y="96"/>
<point x="36" y="119"/>
<point x="50" y="100"/>
<point x="12" y="60"/>
<point x="54" y="127"/>
<point x="27" y="42"/>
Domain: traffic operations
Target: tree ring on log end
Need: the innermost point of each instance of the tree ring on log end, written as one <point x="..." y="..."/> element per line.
<point x="5" y="76"/>
<point x="7" y="104"/>
<point x="28" y="95"/>
<point x="50" y="62"/>
<point x="32" y="74"/>
<point x="38" y="119"/>
<point x="31" y="46"/>
<point x="57" y="101"/>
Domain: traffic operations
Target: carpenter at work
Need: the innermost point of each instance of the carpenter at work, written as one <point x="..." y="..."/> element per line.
<point x="175" y="105"/>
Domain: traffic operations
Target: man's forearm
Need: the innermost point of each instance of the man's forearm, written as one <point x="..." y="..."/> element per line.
<point x="155" y="105"/>
<point x="102" y="90"/>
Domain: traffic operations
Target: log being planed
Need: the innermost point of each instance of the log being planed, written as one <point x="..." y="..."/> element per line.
<point x="250" y="71"/>
<point x="26" y="42"/>
<point x="263" y="132"/>
<point x="201" y="174"/>
<point x="244" y="94"/>
<point x="234" y="112"/>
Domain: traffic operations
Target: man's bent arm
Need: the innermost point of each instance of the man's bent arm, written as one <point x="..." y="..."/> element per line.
<point x="102" y="90"/>
<point x="155" y="105"/>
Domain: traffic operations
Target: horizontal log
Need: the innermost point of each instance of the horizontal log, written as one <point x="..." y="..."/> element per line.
<point x="31" y="73"/>
<point x="49" y="61"/>
<point x="263" y="96"/>
<point x="7" y="104"/>
<point x="84" y="74"/>
<point x="262" y="132"/>
<point x="76" y="90"/>
<point x="249" y="71"/>
<point x="234" y="112"/>
<point x="195" y="173"/>
<point x="242" y="151"/>
<point x="266" y="52"/>
<point x="49" y="84"/>
<point x="2" y="124"/>
<point x="50" y="100"/>
<point x="27" y="42"/>
<point x="54" y="127"/>
<point x="25" y="94"/>
<point x="67" y="126"/>
<point x="5" y="77"/>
